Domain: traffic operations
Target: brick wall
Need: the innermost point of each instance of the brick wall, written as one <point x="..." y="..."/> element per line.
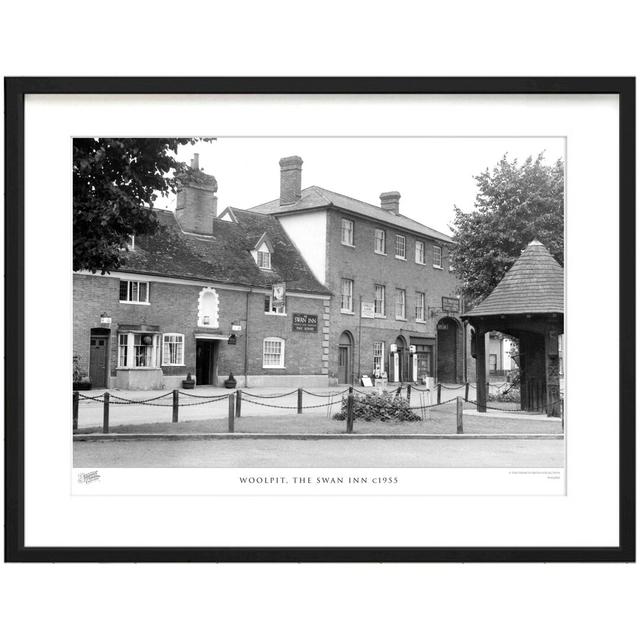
<point x="174" y="308"/>
<point x="367" y="268"/>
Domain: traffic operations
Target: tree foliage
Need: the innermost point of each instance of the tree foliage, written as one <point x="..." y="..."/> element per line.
<point x="516" y="203"/>
<point x="115" y="183"/>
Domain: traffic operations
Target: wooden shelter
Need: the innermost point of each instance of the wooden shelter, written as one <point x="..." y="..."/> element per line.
<point x="528" y="303"/>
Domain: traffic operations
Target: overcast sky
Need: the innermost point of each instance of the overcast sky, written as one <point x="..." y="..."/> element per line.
<point x="431" y="174"/>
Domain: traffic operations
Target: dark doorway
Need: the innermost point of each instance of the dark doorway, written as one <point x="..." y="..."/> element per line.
<point x="206" y="351"/>
<point x="345" y="350"/>
<point x="99" y="358"/>
<point x="447" y="350"/>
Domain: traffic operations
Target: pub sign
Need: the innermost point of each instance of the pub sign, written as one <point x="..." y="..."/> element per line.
<point x="305" y="322"/>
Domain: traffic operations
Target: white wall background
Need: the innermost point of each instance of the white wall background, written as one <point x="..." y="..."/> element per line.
<point x="333" y="38"/>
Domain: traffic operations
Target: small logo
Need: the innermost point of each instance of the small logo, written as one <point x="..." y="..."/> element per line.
<point x="90" y="476"/>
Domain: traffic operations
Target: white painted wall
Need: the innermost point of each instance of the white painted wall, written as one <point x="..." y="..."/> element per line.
<point x="308" y="231"/>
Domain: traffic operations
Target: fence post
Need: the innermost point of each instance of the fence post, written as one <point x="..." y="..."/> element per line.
<point x="105" y="413"/>
<point x="176" y="404"/>
<point x="459" y="406"/>
<point x="488" y="390"/>
<point x="350" y="411"/>
<point x="439" y="393"/>
<point x="232" y="411"/>
<point x="409" y="393"/>
<point x="76" y="402"/>
<point x="299" y="399"/>
<point x="238" y="403"/>
<point x="466" y="392"/>
<point x="562" y="413"/>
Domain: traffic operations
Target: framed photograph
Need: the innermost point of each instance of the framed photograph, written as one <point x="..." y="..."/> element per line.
<point x="320" y="319"/>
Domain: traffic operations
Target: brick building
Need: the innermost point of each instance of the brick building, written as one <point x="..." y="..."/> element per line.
<point x="394" y="306"/>
<point x="204" y="296"/>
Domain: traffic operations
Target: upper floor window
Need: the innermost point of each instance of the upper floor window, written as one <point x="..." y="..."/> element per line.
<point x="437" y="257"/>
<point x="273" y="353"/>
<point x="420" y="306"/>
<point x="400" y="304"/>
<point x="134" y="291"/>
<point x="346" y="303"/>
<point x="264" y="259"/>
<point x="173" y="349"/>
<point x="381" y="241"/>
<point x="419" y="251"/>
<point x="401" y="247"/>
<point x="347" y="232"/>
<point x="271" y="307"/>
<point x="379" y="304"/>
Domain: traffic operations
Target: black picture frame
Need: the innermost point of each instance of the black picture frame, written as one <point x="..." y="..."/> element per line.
<point x="15" y="91"/>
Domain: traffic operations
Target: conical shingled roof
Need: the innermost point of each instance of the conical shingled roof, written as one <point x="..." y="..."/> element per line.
<point x="534" y="284"/>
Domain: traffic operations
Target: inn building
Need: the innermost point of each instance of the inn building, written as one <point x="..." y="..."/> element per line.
<point x="394" y="307"/>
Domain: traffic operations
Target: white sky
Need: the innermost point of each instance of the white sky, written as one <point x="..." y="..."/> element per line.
<point x="432" y="174"/>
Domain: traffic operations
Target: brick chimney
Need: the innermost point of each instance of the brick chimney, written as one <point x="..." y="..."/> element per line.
<point x="391" y="202"/>
<point x="290" y="179"/>
<point x="197" y="203"/>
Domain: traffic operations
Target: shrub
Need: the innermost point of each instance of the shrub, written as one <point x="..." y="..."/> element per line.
<point x="383" y="406"/>
<point x="512" y="394"/>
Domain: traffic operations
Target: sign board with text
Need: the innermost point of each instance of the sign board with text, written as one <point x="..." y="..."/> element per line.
<point x="451" y="304"/>
<point x="367" y="309"/>
<point x="305" y="322"/>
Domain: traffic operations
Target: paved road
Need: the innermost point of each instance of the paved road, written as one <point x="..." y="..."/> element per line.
<point x="317" y="453"/>
<point x="90" y="412"/>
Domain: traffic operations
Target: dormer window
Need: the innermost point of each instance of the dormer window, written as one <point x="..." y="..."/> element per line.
<point x="264" y="258"/>
<point x="262" y="253"/>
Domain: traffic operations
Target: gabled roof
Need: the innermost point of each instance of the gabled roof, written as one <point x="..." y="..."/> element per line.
<point x="534" y="284"/>
<point x="316" y="197"/>
<point x="225" y="257"/>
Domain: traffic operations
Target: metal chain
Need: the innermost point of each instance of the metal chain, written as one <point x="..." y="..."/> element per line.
<point x="327" y="395"/>
<point x="280" y="395"/>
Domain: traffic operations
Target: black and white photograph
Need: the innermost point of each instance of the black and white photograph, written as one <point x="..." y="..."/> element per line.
<point x="319" y="302"/>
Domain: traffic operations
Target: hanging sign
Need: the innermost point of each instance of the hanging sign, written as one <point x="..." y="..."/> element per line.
<point x="278" y="293"/>
<point x="451" y="304"/>
<point x="305" y="322"/>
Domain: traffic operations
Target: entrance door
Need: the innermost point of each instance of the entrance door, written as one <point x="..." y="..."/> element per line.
<point x="343" y="365"/>
<point x="447" y="350"/>
<point x="98" y="361"/>
<point x="205" y="362"/>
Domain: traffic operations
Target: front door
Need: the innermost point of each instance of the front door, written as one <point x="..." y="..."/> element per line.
<point x="205" y="362"/>
<point x="98" y="361"/>
<point x="343" y="365"/>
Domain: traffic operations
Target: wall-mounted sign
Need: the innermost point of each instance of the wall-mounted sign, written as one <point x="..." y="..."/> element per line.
<point x="278" y="293"/>
<point x="305" y="322"/>
<point x="232" y="339"/>
<point x="451" y="304"/>
<point x="368" y="309"/>
<point x="105" y="320"/>
<point x="236" y="327"/>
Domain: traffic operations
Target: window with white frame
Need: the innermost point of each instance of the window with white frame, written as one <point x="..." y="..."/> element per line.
<point x="134" y="291"/>
<point x="264" y="258"/>
<point x="400" y="304"/>
<point x="380" y="241"/>
<point x="437" y="257"/>
<point x="273" y="353"/>
<point x="379" y="303"/>
<point x="173" y="349"/>
<point x="347" y="232"/>
<point x="346" y="303"/>
<point x="378" y="357"/>
<point x="138" y="350"/>
<point x="401" y="247"/>
<point x="269" y="307"/>
<point x="419" y="306"/>
<point x="419" y="251"/>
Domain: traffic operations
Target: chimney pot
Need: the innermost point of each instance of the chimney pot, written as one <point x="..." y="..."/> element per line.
<point x="290" y="180"/>
<point x="390" y="201"/>
<point x="195" y="161"/>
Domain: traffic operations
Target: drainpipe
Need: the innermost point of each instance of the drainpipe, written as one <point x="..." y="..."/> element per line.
<point x="246" y="341"/>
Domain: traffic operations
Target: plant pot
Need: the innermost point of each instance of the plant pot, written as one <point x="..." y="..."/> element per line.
<point x="188" y="384"/>
<point x="81" y="386"/>
<point x="230" y="384"/>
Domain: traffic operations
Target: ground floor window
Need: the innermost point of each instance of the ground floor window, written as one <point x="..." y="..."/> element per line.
<point x="138" y="350"/>
<point x="273" y="353"/>
<point x="173" y="349"/>
<point x="378" y="358"/>
<point x="493" y="362"/>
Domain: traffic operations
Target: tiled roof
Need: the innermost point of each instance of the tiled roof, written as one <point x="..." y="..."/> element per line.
<point x="314" y="197"/>
<point x="534" y="284"/>
<point x="224" y="257"/>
